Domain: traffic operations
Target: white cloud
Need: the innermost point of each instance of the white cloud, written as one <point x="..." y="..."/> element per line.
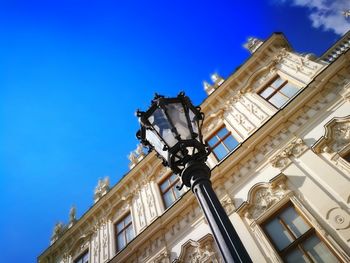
<point x="326" y="14"/>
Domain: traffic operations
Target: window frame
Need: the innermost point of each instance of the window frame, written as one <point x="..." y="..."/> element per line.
<point x="221" y="141"/>
<point x="81" y="256"/>
<point x="116" y="233"/>
<point x="277" y="90"/>
<point x="297" y="242"/>
<point x="169" y="188"/>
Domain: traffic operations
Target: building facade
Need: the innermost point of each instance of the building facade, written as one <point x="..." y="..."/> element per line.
<point x="279" y="131"/>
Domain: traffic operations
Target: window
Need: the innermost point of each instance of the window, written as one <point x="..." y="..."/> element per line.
<point x="294" y="239"/>
<point x="124" y="232"/>
<point x="84" y="258"/>
<point x="169" y="191"/>
<point x="221" y="143"/>
<point x="346" y="157"/>
<point x="278" y="92"/>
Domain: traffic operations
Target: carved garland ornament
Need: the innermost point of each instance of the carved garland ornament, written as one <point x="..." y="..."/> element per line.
<point x="336" y="136"/>
<point x="201" y="251"/>
<point x="282" y="158"/>
<point x="262" y="197"/>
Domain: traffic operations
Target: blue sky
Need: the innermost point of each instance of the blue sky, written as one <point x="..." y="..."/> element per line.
<point x="73" y="72"/>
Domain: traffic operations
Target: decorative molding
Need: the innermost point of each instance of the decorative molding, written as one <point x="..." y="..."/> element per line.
<point x="140" y="211"/>
<point x="253" y="109"/>
<point x="150" y="201"/>
<point x="228" y="204"/>
<point x="336" y="136"/>
<point x="213" y="121"/>
<point x="338" y="218"/>
<point x="262" y="196"/>
<point x="162" y="257"/>
<point x="80" y="244"/>
<point x="201" y="251"/>
<point x="282" y="159"/>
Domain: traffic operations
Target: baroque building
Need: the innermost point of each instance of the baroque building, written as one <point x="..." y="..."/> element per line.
<point x="279" y="131"/>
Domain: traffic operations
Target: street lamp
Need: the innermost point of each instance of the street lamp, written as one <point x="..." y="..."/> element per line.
<point x="172" y="126"/>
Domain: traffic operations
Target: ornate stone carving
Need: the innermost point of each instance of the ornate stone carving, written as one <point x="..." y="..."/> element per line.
<point x="96" y="246"/>
<point x="336" y="136"/>
<point x="253" y="109"/>
<point x="338" y="218"/>
<point x="294" y="148"/>
<point x="213" y="121"/>
<point x="282" y="53"/>
<point x="72" y="215"/>
<point x="241" y="120"/>
<point x="140" y="211"/>
<point x="162" y="257"/>
<point x="104" y="239"/>
<point x="217" y="81"/>
<point x="253" y="44"/>
<point x="201" y="251"/>
<point x="263" y="196"/>
<point x="150" y="201"/>
<point x="65" y="257"/>
<point x="57" y="231"/>
<point x="101" y="189"/>
<point x="228" y="204"/>
<point x="136" y="156"/>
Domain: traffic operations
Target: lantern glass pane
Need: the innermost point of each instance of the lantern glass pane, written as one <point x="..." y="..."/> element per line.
<point x="155" y="141"/>
<point x="162" y="125"/>
<point x="194" y="121"/>
<point x="177" y="115"/>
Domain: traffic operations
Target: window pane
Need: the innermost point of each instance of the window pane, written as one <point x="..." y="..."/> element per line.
<point x="120" y="241"/>
<point x="164" y="185"/>
<point x="120" y="226"/>
<point x="127" y="219"/>
<point x="296" y="256"/>
<point x="230" y="143"/>
<point x="177" y="115"/>
<point x="220" y="151"/>
<point x="168" y="199"/>
<point x="212" y="141"/>
<point x="267" y="92"/>
<point x="86" y="258"/>
<point x="347" y="157"/>
<point x="318" y="251"/>
<point x="280" y="237"/>
<point x="177" y="192"/>
<point x="129" y="234"/>
<point x="278" y="100"/>
<point x="289" y="90"/>
<point x="161" y="124"/>
<point x="294" y="221"/>
<point x="173" y="178"/>
<point x="222" y="132"/>
<point x="277" y="83"/>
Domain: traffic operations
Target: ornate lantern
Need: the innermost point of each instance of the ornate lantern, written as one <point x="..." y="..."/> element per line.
<point x="172" y="126"/>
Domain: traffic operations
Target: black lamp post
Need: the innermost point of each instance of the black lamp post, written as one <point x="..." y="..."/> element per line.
<point x="172" y="126"/>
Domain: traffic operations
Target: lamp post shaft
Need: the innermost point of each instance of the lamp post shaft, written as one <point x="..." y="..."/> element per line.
<point x="196" y="175"/>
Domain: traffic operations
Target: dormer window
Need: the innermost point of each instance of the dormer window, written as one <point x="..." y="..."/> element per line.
<point x="278" y="92"/>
